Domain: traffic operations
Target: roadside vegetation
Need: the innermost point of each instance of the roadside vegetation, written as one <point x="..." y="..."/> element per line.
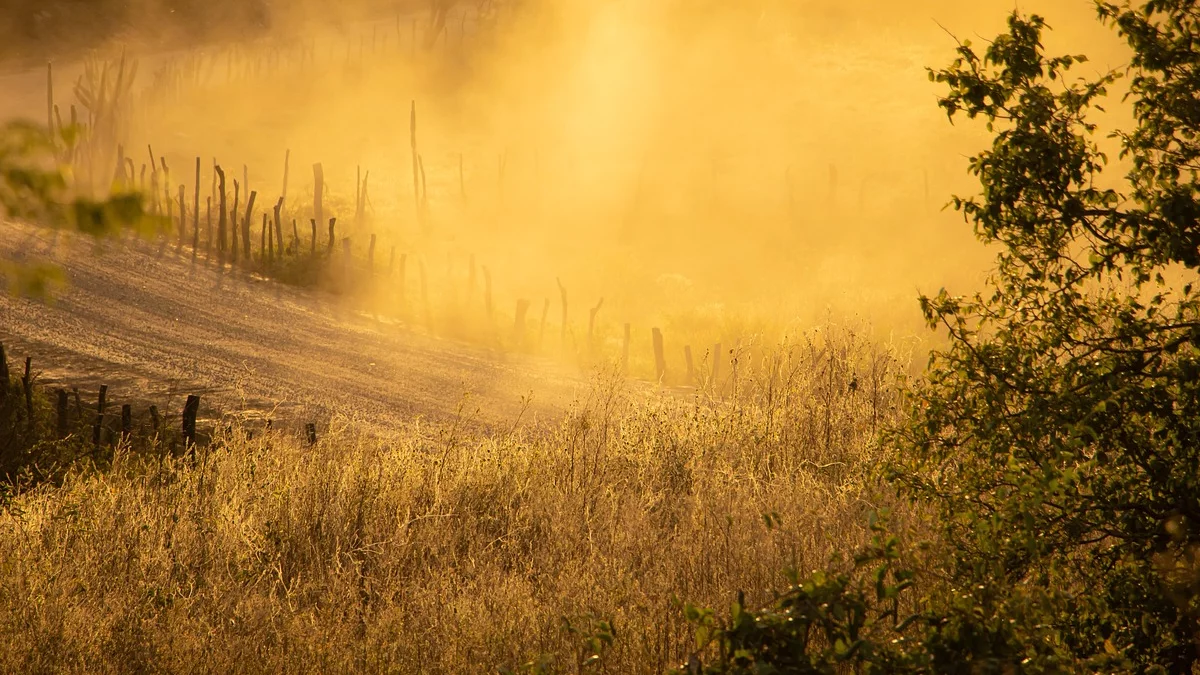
<point x="1027" y="504"/>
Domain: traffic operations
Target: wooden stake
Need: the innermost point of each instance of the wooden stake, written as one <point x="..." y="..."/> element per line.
<point x="99" y="416"/>
<point x="126" y="422"/>
<point x="196" y="214"/>
<point x="61" y="410"/>
<point x="190" y="409"/>
<point x="246" y="224"/>
<point x="233" y="224"/>
<point x="660" y="359"/>
<point x="279" y="229"/>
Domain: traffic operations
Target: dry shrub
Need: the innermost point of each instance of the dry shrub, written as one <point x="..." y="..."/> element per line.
<point x="435" y="551"/>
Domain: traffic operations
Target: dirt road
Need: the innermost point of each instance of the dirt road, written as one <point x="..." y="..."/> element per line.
<point x="156" y="329"/>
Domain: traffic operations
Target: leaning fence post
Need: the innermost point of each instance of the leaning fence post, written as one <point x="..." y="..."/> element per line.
<point x="61" y="410"/>
<point x="96" y="430"/>
<point x="189" y="423"/>
<point x="660" y="359"/>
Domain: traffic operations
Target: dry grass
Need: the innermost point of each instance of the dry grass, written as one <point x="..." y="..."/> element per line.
<point x="434" y="551"/>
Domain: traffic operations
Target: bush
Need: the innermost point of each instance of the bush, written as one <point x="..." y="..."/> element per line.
<point x="1057" y="437"/>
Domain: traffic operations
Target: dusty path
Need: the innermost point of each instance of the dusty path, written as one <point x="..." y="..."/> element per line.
<point x="155" y="328"/>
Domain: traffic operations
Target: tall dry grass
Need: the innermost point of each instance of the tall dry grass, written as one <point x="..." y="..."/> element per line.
<point x="433" y="550"/>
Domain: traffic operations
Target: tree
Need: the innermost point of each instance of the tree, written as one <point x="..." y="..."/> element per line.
<point x="1057" y="436"/>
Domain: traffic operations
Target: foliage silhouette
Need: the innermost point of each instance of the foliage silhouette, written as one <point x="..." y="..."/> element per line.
<point x="1057" y="436"/>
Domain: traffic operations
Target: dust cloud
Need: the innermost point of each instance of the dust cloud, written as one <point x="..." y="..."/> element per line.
<point x="709" y="166"/>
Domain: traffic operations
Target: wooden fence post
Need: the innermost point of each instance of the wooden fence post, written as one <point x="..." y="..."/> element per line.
<point x="313" y="250"/>
<point x="182" y="216"/>
<point x="126" y="422"/>
<point x="660" y="359"/>
<point x="208" y="230"/>
<point x="196" y="214"/>
<point x="332" y="224"/>
<point x="190" y="409"/>
<point x="97" y="429"/>
<point x="279" y="226"/>
<point x="310" y="430"/>
<point x="265" y="255"/>
<point x="233" y="225"/>
<point x="154" y="419"/>
<point x="246" y="224"/>
<point x="61" y="410"/>
<point x="221" y="214"/>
